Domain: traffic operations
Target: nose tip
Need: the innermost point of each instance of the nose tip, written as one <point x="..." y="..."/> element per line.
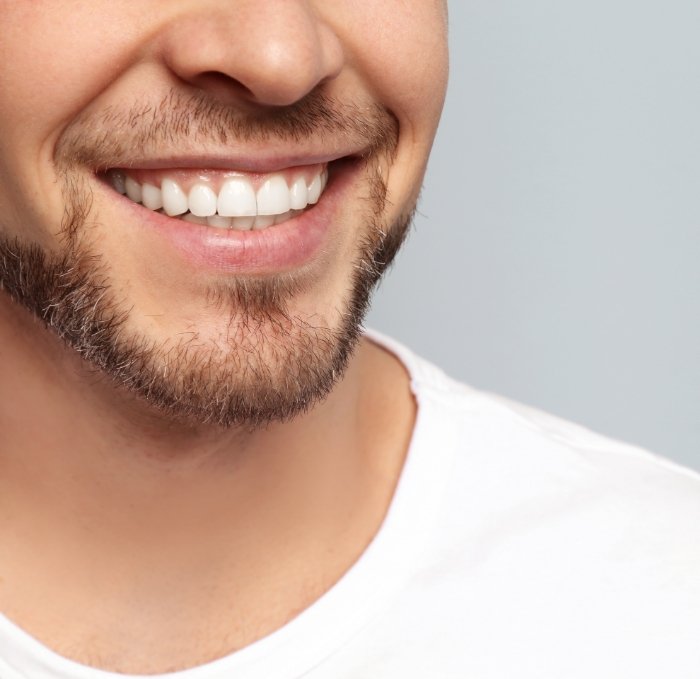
<point x="270" y="52"/>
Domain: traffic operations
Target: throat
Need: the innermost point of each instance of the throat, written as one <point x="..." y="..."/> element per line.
<point x="171" y="565"/>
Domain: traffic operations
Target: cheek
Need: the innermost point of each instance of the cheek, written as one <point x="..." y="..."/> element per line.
<point x="57" y="57"/>
<point x="412" y="74"/>
<point x="400" y="49"/>
<point x="60" y="56"/>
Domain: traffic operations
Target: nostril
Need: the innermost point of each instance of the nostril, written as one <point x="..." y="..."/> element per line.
<point x="222" y="86"/>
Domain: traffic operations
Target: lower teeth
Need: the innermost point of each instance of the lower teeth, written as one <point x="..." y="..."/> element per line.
<point x="237" y="223"/>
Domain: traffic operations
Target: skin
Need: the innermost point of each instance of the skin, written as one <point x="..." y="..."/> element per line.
<point x="179" y="543"/>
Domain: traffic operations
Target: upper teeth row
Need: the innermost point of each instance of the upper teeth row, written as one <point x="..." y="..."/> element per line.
<point x="236" y="198"/>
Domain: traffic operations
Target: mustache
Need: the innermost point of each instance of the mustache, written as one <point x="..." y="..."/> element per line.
<point x="120" y="137"/>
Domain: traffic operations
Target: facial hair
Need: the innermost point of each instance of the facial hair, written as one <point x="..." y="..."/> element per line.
<point x="272" y="364"/>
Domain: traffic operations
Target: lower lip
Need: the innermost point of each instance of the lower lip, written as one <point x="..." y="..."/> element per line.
<point x="282" y="247"/>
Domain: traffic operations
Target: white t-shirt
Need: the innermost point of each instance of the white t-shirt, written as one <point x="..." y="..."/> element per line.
<point x="517" y="546"/>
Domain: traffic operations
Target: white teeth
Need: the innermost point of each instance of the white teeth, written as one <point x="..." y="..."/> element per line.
<point x="174" y="198"/>
<point x="315" y="189"/>
<point x="133" y="189"/>
<point x="219" y="222"/>
<point x="242" y="223"/>
<point x="263" y="221"/>
<point x="237" y="199"/>
<point x="298" y="194"/>
<point x="151" y="197"/>
<point x="189" y="217"/>
<point x="202" y="201"/>
<point x="237" y="206"/>
<point x="283" y="217"/>
<point x="273" y="196"/>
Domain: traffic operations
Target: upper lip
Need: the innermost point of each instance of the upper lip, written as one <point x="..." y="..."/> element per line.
<point x="248" y="162"/>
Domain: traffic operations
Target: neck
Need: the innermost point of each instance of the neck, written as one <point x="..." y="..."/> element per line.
<point x="127" y="508"/>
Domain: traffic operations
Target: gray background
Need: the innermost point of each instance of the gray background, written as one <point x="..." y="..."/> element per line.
<point x="556" y="257"/>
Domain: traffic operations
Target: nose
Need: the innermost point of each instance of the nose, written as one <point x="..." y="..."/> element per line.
<point x="268" y="52"/>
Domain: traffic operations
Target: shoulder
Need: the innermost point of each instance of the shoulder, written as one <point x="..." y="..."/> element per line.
<point x="529" y="470"/>
<point x="582" y="553"/>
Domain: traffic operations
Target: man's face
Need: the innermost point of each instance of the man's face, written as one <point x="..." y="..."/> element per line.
<point x="222" y="287"/>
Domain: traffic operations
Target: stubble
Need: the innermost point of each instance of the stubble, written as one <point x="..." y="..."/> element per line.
<point x="272" y="364"/>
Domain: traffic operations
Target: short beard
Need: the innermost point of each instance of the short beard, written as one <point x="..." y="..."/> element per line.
<point x="271" y="365"/>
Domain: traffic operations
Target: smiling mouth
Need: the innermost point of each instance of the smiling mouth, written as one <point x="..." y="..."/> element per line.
<point x="223" y="199"/>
